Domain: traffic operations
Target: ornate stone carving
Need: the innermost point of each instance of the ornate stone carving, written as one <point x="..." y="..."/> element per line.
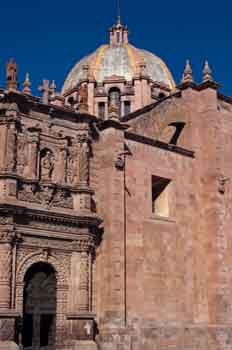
<point x="47" y="165"/>
<point x="7" y="236"/>
<point x="7" y="330"/>
<point x="84" y="154"/>
<point x="63" y="199"/>
<point x="83" y="244"/>
<point x="5" y="220"/>
<point x="72" y="165"/>
<point x="60" y="263"/>
<point x="6" y="240"/>
<point x="62" y="165"/>
<point x="11" y="148"/>
<point x="84" y="283"/>
<point x="46" y="195"/>
<point x="22" y="154"/>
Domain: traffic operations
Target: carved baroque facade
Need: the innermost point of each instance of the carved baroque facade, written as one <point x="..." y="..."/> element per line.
<point x="115" y="231"/>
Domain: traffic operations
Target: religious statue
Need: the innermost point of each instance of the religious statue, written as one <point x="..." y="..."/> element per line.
<point x="47" y="166"/>
<point x="72" y="166"/>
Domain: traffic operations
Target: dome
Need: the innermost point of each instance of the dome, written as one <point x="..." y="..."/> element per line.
<point x="119" y="60"/>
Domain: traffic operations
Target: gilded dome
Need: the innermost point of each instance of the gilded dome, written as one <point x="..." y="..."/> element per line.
<point x="119" y="60"/>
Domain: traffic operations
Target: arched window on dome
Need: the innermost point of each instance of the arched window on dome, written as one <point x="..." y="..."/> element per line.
<point x="115" y="100"/>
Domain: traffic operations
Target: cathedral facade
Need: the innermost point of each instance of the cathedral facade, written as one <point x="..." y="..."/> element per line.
<point x="115" y="221"/>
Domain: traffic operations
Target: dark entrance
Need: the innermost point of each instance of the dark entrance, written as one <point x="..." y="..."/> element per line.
<point x="39" y="317"/>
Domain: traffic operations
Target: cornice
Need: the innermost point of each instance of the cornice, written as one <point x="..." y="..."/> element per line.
<point x="79" y="219"/>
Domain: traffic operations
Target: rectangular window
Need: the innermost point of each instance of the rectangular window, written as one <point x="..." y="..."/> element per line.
<point x="101" y="110"/>
<point x="127" y="107"/>
<point x="160" y="196"/>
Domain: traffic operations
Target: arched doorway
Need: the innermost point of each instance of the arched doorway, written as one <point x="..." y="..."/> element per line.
<point x="39" y="308"/>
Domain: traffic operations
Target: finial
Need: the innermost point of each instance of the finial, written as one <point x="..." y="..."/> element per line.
<point x="188" y="73"/>
<point x="118" y="12"/>
<point x="11" y="75"/>
<point x="53" y="87"/>
<point x="207" y="72"/>
<point x="27" y="85"/>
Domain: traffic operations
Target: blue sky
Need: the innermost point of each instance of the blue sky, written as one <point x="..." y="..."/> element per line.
<point x="47" y="37"/>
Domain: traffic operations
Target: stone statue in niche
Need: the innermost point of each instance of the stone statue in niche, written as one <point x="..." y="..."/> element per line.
<point x="47" y="164"/>
<point x="72" y="166"/>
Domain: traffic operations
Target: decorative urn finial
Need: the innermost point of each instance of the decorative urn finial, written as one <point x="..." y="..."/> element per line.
<point x="53" y="88"/>
<point x="27" y="85"/>
<point x="207" y="73"/>
<point x="188" y="73"/>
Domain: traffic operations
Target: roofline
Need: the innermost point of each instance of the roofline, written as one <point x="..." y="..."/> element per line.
<point x="159" y="144"/>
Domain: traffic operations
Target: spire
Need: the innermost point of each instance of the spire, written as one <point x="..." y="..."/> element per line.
<point x="207" y="72"/>
<point x="53" y="88"/>
<point x="27" y="85"/>
<point x="188" y="73"/>
<point x="118" y="12"/>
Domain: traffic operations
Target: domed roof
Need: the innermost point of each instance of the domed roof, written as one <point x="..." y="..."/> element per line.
<point x="119" y="60"/>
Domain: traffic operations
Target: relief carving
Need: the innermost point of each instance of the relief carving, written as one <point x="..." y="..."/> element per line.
<point x="72" y="166"/>
<point x="48" y="196"/>
<point x="63" y="199"/>
<point x="11" y="148"/>
<point x="84" y="154"/>
<point x="22" y="154"/>
<point x="27" y="258"/>
<point x="86" y="244"/>
<point x="62" y="164"/>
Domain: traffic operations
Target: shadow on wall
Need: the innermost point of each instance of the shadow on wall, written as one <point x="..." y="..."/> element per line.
<point x="171" y="133"/>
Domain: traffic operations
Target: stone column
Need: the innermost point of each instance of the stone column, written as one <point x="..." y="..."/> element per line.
<point x="6" y="240"/>
<point x="33" y="155"/>
<point x="7" y="315"/>
<point x="80" y="279"/>
<point x="84" y="154"/>
<point x="80" y="313"/>
<point x="11" y="147"/>
<point x="82" y="200"/>
<point x="84" y="302"/>
<point x="60" y="175"/>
